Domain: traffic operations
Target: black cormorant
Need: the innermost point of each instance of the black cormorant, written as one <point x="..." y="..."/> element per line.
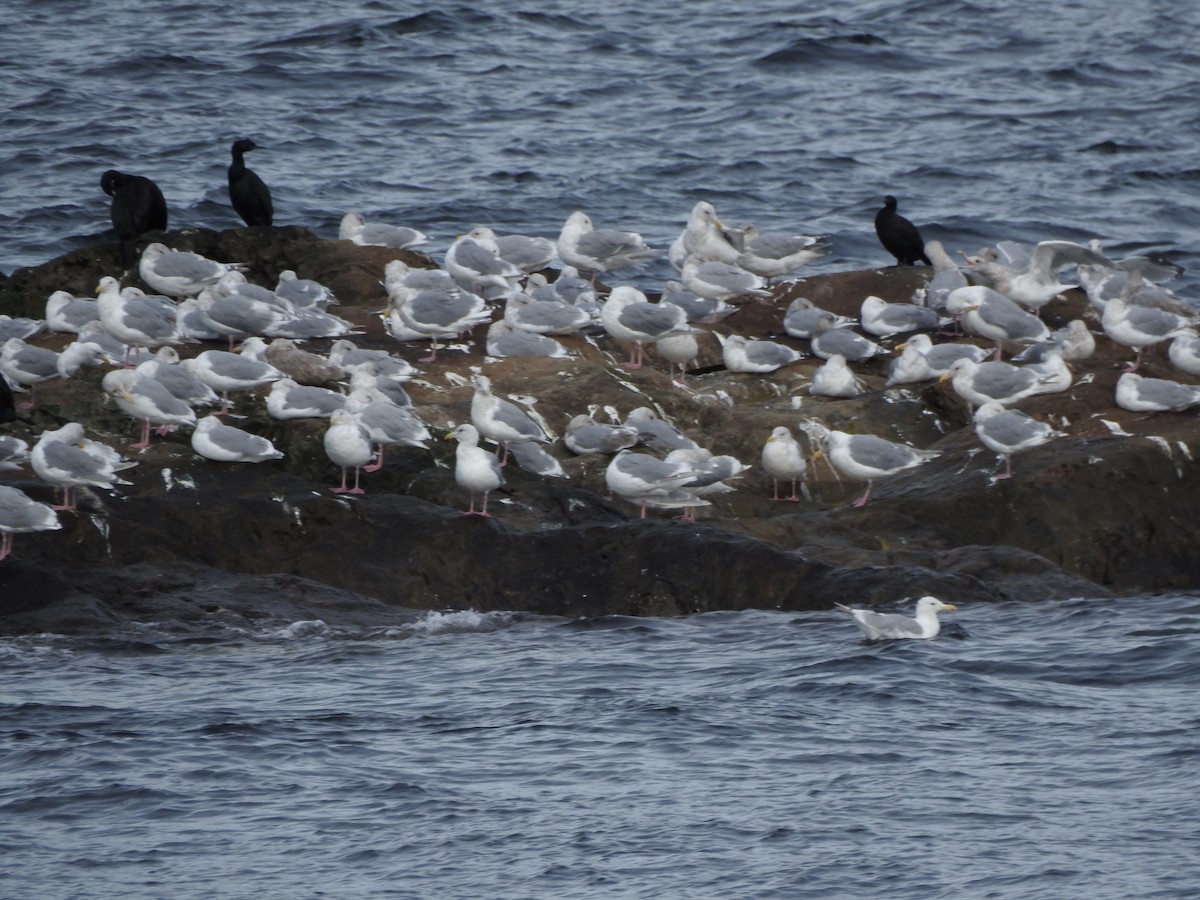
<point x="250" y="197"/>
<point x="899" y="236"/>
<point x="137" y="207"/>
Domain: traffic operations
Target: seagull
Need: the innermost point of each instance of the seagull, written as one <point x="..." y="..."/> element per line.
<point x="883" y="319"/>
<point x="632" y="319"/>
<point x="66" y="312"/>
<point x="783" y="459"/>
<point x="357" y="230"/>
<point x="582" y="246"/>
<point x="585" y="436"/>
<point x="179" y="273"/>
<point x="720" y="281"/>
<point x="385" y="423"/>
<point x="921" y="359"/>
<point x="887" y="626"/>
<point x="977" y="383"/>
<point x="347" y="445"/>
<point x="138" y="206"/>
<point x="147" y="399"/>
<point x="289" y="400"/>
<point x="1140" y="327"/>
<point x="1036" y="283"/>
<point x="803" y="316"/>
<point x="217" y="441"/>
<point x="655" y="433"/>
<point x="20" y="514"/>
<point x="640" y="478"/>
<point x="988" y="314"/>
<point x="135" y="321"/>
<point x="743" y="355"/>
<point x="63" y="458"/>
<point x="475" y="469"/>
<point x="775" y="255"/>
<point x="249" y="195"/>
<point x="1009" y="431"/>
<point x="865" y="457"/>
<point x="500" y="420"/>
<point x="474" y="262"/>
<point x="1139" y="394"/>
<point x="834" y="378"/>
<point x="899" y="236"/>
<point x="505" y="341"/>
<point x="829" y="340"/>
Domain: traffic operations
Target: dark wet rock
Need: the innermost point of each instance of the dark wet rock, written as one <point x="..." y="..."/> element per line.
<point x="1090" y="514"/>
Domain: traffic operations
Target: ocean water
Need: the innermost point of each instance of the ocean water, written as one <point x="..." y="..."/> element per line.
<point x="988" y="120"/>
<point x="1048" y="751"/>
<point x="1036" y="750"/>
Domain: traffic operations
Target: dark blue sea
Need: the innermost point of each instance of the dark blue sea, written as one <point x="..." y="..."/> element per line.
<point x="1046" y="750"/>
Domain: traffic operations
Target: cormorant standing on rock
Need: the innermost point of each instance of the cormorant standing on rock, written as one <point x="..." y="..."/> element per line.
<point x="899" y="236"/>
<point x="250" y="197"/>
<point x="137" y="207"/>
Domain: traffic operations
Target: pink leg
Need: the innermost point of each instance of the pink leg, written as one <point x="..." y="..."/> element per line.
<point x="378" y="464"/>
<point x="145" y="441"/>
<point x="865" y="498"/>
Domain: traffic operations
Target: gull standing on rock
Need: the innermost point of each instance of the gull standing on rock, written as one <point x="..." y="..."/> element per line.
<point x="632" y="319"/>
<point x="21" y="514"/>
<point x="501" y="420"/>
<point x="783" y="460"/>
<point x="865" y="457"/>
<point x="475" y="469"/>
<point x="347" y="446"/>
<point x="1008" y="431"/>
<point x="589" y="250"/>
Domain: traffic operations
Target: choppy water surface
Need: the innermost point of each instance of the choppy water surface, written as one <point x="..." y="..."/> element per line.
<point x="988" y="120"/>
<point x="1049" y="752"/>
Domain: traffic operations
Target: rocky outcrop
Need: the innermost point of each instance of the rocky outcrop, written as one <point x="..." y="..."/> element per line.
<point x="1092" y="513"/>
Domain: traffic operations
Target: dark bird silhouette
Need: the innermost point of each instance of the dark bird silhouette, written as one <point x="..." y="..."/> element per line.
<point x="137" y="207"/>
<point x="250" y="197"/>
<point x="899" y="236"/>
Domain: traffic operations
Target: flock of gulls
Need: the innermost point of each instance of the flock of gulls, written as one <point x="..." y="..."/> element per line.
<point x="994" y="297"/>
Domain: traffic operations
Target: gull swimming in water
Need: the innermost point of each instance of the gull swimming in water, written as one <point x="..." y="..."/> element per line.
<point x="1008" y="431"/>
<point x="590" y="250"/>
<point x="877" y="626"/>
<point x="783" y="460"/>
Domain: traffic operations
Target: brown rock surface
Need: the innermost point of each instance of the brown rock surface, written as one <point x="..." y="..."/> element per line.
<point x="1088" y="514"/>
